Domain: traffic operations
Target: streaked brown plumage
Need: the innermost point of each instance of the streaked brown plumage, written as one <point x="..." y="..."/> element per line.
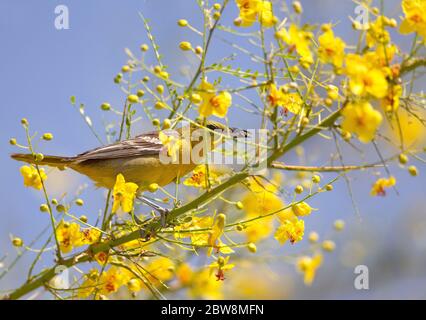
<point x="138" y="159"/>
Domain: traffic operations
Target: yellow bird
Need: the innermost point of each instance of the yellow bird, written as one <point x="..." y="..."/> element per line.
<point x="138" y="159"/>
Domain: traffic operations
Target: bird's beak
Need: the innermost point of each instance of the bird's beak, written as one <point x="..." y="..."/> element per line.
<point x="239" y="133"/>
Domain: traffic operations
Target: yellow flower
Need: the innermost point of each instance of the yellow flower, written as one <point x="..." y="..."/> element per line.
<point x="289" y="101"/>
<point x="111" y="280"/>
<point x="365" y="78"/>
<point x="266" y="18"/>
<point x="160" y="270"/>
<point x="308" y="266"/>
<point x="251" y="10"/>
<point x="32" y="178"/>
<point x="292" y="102"/>
<point x="411" y="127"/>
<point x="415" y="17"/>
<point x="89" y="284"/>
<point x="302" y="209"/>
<point x="216" y="232"/>
<point x="381" y="57"/>
<point x="204" y="286"/>
<point x="89" y="236"/>
<point x="377" y="34"/>
<point x="260" y="200"/>
<point x="390" y="103"/>
<point x="199" y="178"/>
<point x="379" y="186"/>
<point x="362" y="119"/>
<point x="184" y="274"/>
<point x="275" y="95"/>
<point x="331" y="49"/>
<point x="248" y="11"/>
<point x="299" y="40"/>
<point x="213" y="103"/>
<point x="222" y="265"/>
<point x="292" y="230"/>
<point x="172" y="142"/>
<point x="197" y="238"/>
<point x="258" y="230"/>
<point x="124" y="194"/>
<point x="68" y="235"/>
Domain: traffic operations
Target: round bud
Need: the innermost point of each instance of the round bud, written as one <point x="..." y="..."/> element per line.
<point x="298" y="189"/>
<point x="156" y="122"/>
<point x="316" y="178"/>
<point x="328" y="102"/>
<point x="125" y="68"/>
<point x="17" y="242"/>
<point x="133" y="285"/>
<point x="160" y="89"/>
<point x="305" y="121"/>
<point x="240" y="227"/>
<point x="185" y="46"/>
<point x="145" y="79"/>
<point x="313" y="237"/>
<point x="238" y="21"/>
<point x="60" y="208"/>
<point x="297" y="7"/>
<point x="24" y="122"/>
<point x="157" y="69"/>
<point x="54" y="202"/>
<point x="217" y="6"/>
<point x="13" y="142"/>
<point x="294" y="69"/>
<point x="375" y="10"/>
<point x="326" y="27"/>
<point x="329" y="187"/>
<point x="221" y="218"/>
<point x="159" y="105"/>
<point x="79" y="202"/>
<point x="39" y="157"/>
<point x="47" y="136"/>
<point x="132" y="98"/>
<point x="44" y="208"/>
<point x="252" y="247"/>
<point x="164" y="74"/>
<point x="328" y="245"/>
<point x="144" y="47"/>
<point x="105" y="106"/>
<point x="392" y="23"/>
<point x="339" y="225"/>
<point x="239" y="205"/>
<point x="182" y="23"/>
<point x="216" y="15"/>
<point x="167" y="123"/>
<point x="413" y="170"/>
<point x="403" y="159"/>
<point x="83" y="218"/>
<point x="221" y="261"/>
<point x="196" y="98"/>
<point x="153" y="187"/>
<point x="198" y="50"/>
<point x="140" y="93"/>
<point x="346" y="135"/>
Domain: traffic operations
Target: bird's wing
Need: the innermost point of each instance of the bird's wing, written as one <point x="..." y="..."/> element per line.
<point x="142" y="145"/>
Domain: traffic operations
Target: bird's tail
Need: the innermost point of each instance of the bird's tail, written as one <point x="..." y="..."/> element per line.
<point x="52" y="161"/>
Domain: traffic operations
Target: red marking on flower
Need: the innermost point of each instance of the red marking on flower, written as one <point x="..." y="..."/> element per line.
<point x="220" y="275"/>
